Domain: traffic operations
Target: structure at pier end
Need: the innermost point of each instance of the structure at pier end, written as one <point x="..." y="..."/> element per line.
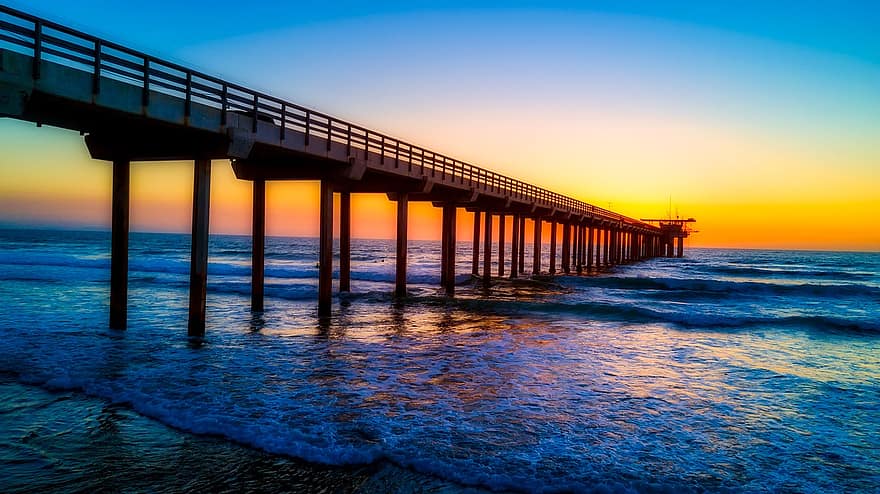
<point x="672" y="235"/>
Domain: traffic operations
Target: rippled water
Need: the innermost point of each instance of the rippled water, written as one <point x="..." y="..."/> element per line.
<point x="726" y="370"/>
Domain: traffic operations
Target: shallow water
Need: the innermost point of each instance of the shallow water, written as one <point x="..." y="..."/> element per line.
<point x="726" y="370"/>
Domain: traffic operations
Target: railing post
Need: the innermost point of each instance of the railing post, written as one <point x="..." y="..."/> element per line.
<point x="308" y="127"/>
<point x="145" y="95"/>
<point x="256" y="113"/>
<point x="187" y="102"/>
<point x="96" y="70"/>
<point x="283" y="130"/>
<point x="224" y="102"/>
<point x="38" y="49"/>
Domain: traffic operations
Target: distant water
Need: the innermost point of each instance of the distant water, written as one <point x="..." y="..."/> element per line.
<point x="728" y="370"/>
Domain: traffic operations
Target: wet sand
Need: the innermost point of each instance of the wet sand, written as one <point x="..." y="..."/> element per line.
<point x="68" y="442"/>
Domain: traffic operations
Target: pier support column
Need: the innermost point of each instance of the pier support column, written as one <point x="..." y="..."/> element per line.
<point x="325" y="250"/>
<point x="618" y="247"/>
<point x="514" y="246"/>
<point x="119" y="245"/>
<point x="258" y="245"/>
<point x="583" y="254"/>
<point x="615" y="256"/>
<point x="566" y="248"/>
<point x="579" y="250"/>
<point x="590" y="247"/>
<point x="501" y="227"/>
<point x="448" y="265"/>
<point x="487" y="249"/>
<point x="680" y="252"/>
<point x="536" y="252"/>
<point x="606" y="237"/>
<point x="522" y="244"/>
<point x="402" y="221"/>
<point x="552" y="247"/>
<point x="344" y="241"/>
<point x="475" y="268"/>
<point x="198" y="267"/>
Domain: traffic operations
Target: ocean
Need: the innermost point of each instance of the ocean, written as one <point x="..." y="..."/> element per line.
<point x="723" y="371"/>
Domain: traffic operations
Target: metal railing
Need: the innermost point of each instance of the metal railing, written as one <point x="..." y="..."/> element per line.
<point x="49" y="41"/>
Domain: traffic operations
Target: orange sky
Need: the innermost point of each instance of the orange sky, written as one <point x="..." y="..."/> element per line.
<point x="58" y="184"/>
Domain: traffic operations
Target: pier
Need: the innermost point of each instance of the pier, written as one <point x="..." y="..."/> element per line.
<point x="131" y="106"/>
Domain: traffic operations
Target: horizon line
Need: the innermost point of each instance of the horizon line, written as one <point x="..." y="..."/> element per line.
<point x="106" y="229"/>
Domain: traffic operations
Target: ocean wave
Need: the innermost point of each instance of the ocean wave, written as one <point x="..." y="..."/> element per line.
<point x="215" y="269"/>
<point x="754" y="288"/>
<point x="628" y="312"/>
<point x="787" y="273"/>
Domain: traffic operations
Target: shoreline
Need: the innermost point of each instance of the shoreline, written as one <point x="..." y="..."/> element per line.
<point x="68" y="440"/>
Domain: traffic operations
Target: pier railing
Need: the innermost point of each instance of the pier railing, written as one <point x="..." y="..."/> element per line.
<point x="46" y="40"/>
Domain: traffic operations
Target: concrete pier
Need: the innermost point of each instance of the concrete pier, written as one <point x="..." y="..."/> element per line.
<point x="345" y="241"/>
<point x="402" y="227"/>
<point x="119" y="245"/>
<point x="198" y="277"/>
<point x="536" y="249"/>
<point x="448" y="233"/>
<point x="487" y="249"/>
<point x="589" y="253"/>
<point x="325" y="249"/>
<point x="258" y="245"/>
<point x="475" y="268"/>
<point x="514" y="246"/>
<point x="501" y="226"/>
<point x="522" y="245"/>
<point x="566" y="248"/>
<point x="162" y="111"/>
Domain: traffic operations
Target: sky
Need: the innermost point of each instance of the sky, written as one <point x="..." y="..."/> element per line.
<point x="759" y="119"/>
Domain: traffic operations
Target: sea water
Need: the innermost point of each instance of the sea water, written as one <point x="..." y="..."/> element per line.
<point x="727" y="370"/>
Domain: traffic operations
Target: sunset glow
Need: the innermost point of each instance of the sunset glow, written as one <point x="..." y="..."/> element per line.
<point x="767" y="137"/>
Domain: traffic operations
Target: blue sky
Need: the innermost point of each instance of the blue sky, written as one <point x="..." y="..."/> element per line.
<point x="844" y="27"/>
